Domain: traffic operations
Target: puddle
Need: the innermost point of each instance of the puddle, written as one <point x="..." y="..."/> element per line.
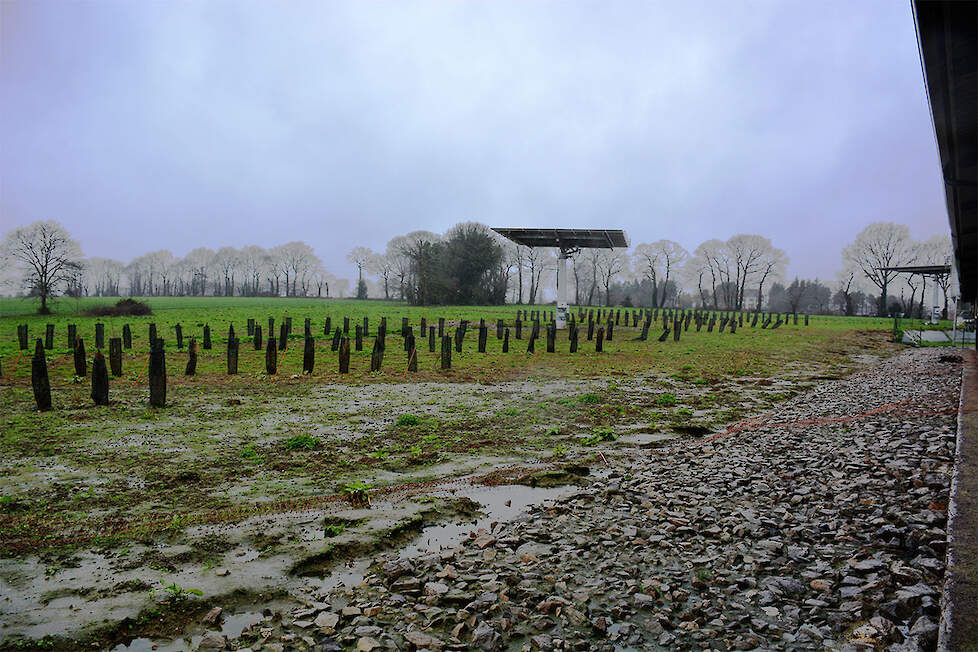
<point x="150" y="645"/>
<point x="499" y="504"/>
<point x="350" y="574"/>
<point x="648" y="439"/>
<point x="234" y="624"/>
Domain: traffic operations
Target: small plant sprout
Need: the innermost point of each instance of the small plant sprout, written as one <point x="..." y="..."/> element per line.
<point x="358" y="493"/>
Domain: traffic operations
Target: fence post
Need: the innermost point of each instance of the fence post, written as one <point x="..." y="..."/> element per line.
<point x="39" y="379"/>
<point x="157" y="375"/>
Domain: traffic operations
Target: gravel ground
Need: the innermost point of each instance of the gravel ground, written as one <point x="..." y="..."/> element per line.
<point x="818" y="526"/>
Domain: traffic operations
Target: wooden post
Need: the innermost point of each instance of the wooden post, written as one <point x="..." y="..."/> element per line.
<point x="551" y="337"/>
<point x="590" y="330"/>
<point x="271" y="327"/>
<point x="22" y="337"/>
<point x="377" y="355"/>
<point x="335" y="344"/>
<point x="531" y="343"/>
<point x="328" y="326"/>
<point x="100" y="380"/>
<point x="152" y="335"/>
<point x="49" y="336"/>
<point x="346" y="325"/>
<point x="358" y="341"/>
<point x="99" y="335"/>
<point x="499" y="329"/>
<point x="733" y="326"/>
<point x="573" y="339"/>
<point x="39" y="379"/>
<point x="251" y="327"/>
<point x="307" y="329"/>
<point x="404" y="326"/>
<point x="283" y="337"/>
<point x="157" y="375"/>
<point x="126" y="337"/>
<point x="408" y="332"/>
<point x="412" y="354"/>
<point x="506" y="341"/>
<point x="179" y="331"/>
<point x="207" y="337"/>
<point x="599" y="341"/>
<point x="446" y="349"/>
<point x="257" y="339"/>
<point x="233" y="356"/>
<point x="288" y="326"/>
<point x="483" y="336"/>
<point x="366" y="327"/>
<point x="115" y="356"/>
<point x="424" y="328"/>
<point x="431" y="340"/>
<point x="441" y="327"/>
<point x="192" y="356"/>
<point x="677" y="327"/>
<point x="271" y="357"/>
<point x="459" y="336"/>
<point x="81" y="366"/>
<point x="73" y="335"/>
<point x="611" y="330"/>
<point x="665" y="335"/>
<point x="806" y="319"/>
<point x="309" y="355"/>
<point x="345" y="355"/>
<point x="519" y="328"/>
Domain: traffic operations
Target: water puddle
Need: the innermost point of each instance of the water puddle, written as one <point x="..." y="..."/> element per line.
<point x="499" y="504"/>
<point x="648" y="439"/>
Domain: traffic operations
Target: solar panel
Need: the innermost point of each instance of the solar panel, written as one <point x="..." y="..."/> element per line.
<point x="566" y="238"/>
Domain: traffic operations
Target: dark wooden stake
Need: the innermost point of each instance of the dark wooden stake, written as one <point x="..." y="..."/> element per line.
<point x="257" y="339"/>
<point x="446" y="350"/>
<point x="39" y="379"/>
<point x="126" y="337"/>
<point x="599" y="341"/>
<point x="100" y="380"/>
<point x="345" y="355"/>
<point x="49" y="336"/>
<point x="233" y="355"/>
<point x="157" y="375"/>
<point x="81" y="365"/>
<point x="271" y="357"/>
<point x="207" y="337"/>
<point x="115" y="356"/>
<point x="309" y="355"/>
<point x="192" y="358"/>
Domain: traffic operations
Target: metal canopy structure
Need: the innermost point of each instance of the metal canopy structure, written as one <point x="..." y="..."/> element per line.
<point x="566" y="239"/>
<point x="947" y="32"/>
<point x="569" y="241"/>
<point x="926" y="270"/>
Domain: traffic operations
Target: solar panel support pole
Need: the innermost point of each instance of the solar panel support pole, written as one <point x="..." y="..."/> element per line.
<point x="562" y="308"/>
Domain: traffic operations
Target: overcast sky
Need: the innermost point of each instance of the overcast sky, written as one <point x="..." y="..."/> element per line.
<point x="149" y="125"/>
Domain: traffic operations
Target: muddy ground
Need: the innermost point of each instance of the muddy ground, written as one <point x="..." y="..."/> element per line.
<point x="123" y="532"/>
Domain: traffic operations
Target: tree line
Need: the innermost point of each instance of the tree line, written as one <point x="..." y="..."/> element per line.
<point x="471" y="264"/>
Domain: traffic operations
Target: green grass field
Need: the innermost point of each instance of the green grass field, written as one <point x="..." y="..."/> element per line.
<point x="225" y="440"/>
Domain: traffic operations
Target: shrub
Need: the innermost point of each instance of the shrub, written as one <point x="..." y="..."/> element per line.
<point x="666" y="399"/>
<point x="122" y="308"/>
<point x="408" y="420"/>
<point x="300" y="442"/>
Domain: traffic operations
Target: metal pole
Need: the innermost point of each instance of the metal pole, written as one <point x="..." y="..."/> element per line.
<point x="562" y="311"/>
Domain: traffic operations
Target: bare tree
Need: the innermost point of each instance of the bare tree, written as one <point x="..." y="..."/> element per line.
<point x="880" y="245"/>
<point x="254" y="261"/>
<point x="380" y="264"/>
<point x="610" y="263"/>
<point x="937" y="251"/>
<point x="659" y="262"/>
<point x="46" y="256"/>
<point x="104" y="275"/>
<point x="226" y="261"/>
<point x="538" y="260"/>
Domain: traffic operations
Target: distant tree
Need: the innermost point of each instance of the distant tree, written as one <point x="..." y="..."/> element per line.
<point x="45" y="258"/>
<point x="197" y="265"/>
<point x="611" y="263"/>
<point x="381" y="265"/>
<point x="254" y="261"/>
<point x="659" y="262"/>
<point x="360" y="256"/>
<point x="104" y="276"/>
<point x="880" y="245"/>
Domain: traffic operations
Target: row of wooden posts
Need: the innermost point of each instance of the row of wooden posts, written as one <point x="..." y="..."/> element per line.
<point x="674" y="322"/>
